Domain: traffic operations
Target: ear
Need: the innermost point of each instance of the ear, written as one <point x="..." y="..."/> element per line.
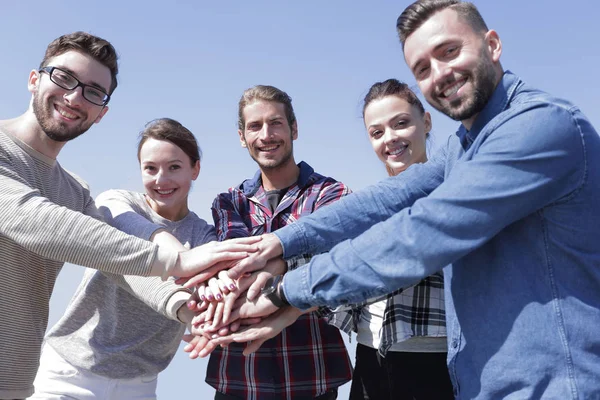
<point x="196" y="170"/>
<point x="295" y="130"/>
<point x="242" y="138"/>
<point x="102" y="112"/>
<point x="427" y="122"/>
<point x="494" y="44"/>
<point x="34" y="81"/>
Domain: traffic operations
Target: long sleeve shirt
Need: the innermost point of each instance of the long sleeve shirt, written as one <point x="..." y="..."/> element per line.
<point x="124" y="327"/>
<point x="309" y="357"/>
<point x="512" y="206"/>
<point x="47" y="217"/>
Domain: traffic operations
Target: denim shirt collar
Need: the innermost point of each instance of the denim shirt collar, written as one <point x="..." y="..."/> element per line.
<point x="496" y="104"/>
<point x="250" y="186"/>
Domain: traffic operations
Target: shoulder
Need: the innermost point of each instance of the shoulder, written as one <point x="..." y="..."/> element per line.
<point x="75" y="179"/>
<point x="232" y="196"/>
<point x="204" y="232"/>
<point x="537" y="121"/>
<point x="120" y="194"/>
<point x="326" y="182"/>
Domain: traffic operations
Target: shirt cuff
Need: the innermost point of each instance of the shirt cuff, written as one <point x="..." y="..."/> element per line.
<point x="294" y="286"/>
<point x="292" y="240"/>
<point x="175" y="302"/>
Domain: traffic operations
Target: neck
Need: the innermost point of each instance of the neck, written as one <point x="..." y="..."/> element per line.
<point x="281" y="177"/>
<point x="468" y="123"/>
<point x="27" y="129"/>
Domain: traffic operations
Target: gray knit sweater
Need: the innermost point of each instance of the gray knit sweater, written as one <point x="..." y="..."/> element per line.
<point x="47" y="217"/>
<point x="112" y="326"/>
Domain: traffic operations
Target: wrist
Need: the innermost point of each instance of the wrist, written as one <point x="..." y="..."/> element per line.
<point x="166" y="263"/>
<point x="272" y="245"/>
<point x="272" y="291"/>
<point x="281" y="293"/>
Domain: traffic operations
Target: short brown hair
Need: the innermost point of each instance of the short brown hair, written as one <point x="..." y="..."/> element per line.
<point x="172" y="131"/>
<point x="265" y="93"/>
<point x="420" y="11"/>
<point x="97" y="48"/>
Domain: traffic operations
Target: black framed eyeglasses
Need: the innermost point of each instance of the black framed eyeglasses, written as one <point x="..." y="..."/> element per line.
<point x="67" y="81"/>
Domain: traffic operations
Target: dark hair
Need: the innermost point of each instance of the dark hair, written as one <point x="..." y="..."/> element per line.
<point x="392" y="87"/>
<point x="170" y="130"/>
<point x="265" y="93"/>
<point x="420" y="11"/>
<point x="97" y="48"/>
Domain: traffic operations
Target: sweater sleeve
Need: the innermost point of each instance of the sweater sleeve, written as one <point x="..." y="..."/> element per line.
<point x="121" y="210"/>
<point x="58" y="233"/>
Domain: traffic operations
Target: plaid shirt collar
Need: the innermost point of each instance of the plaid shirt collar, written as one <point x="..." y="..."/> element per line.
<point x="253" y="187"/>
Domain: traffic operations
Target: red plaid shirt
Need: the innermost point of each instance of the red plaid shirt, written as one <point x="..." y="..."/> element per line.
<point x="309" y="357"/>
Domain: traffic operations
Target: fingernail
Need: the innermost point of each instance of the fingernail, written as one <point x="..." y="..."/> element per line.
<point x="191" y="303"/>
<point x="232" y="286"/>
<point x="202" y="298"/>
<point x="214" y="336"/>
<point x="210" y="298"/>
<point x="219" y="297"/>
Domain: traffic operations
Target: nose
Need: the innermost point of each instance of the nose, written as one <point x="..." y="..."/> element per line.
<point x="160" y="176"/>
<point x="389" y="136"/>
<point x="266" y="132"/>
<point x="74" y="97"/>
<point x="440" y="72"/>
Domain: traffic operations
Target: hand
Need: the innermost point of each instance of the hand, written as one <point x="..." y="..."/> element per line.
<point x="261" y="332"/>
<point x="253" y="283"/>
<point x="207" y="260"/>
<point x="269" y="247"/>
<point x="274" y="267"/>
<point x="217" y="287"/>
<point x="200" y="343"/>
<point x="215" y="308"/>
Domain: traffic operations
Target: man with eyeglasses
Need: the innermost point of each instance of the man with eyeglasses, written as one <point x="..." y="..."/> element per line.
<point x="45" y="211"/>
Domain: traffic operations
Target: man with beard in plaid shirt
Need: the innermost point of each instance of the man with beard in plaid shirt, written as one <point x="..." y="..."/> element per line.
<point x="308" y="360"/>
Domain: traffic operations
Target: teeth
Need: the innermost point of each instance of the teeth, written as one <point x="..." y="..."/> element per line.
<point x="66" y="114"/>
<point x="397" y="151"/>
<point x="165" y="191"/>
<point x="269" y="148"/>
<point x="453" y="89"/>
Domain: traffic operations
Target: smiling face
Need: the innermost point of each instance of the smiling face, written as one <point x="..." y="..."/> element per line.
<point x="456" y="68"/>
<point x="267" y="134"/>
<point x="397" y="131"/>
<point x="167" y="174"/>
<point x="64" y="114"/>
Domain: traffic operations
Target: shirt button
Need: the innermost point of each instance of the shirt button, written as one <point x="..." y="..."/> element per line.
<point x="454" y="343"/>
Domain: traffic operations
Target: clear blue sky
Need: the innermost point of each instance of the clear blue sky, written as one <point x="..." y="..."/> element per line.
<point x="192" y="60"/>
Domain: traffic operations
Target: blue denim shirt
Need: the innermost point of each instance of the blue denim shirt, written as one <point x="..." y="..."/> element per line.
<point x="510" y="207"/>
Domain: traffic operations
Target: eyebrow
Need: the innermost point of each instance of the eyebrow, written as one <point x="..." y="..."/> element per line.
<point x="400" y="114"/>
<point x="95" y="84"/>
<point x="259" y="121"/>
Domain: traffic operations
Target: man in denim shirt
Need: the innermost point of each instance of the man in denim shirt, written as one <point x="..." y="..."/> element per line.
<point x="509" y="203"/>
